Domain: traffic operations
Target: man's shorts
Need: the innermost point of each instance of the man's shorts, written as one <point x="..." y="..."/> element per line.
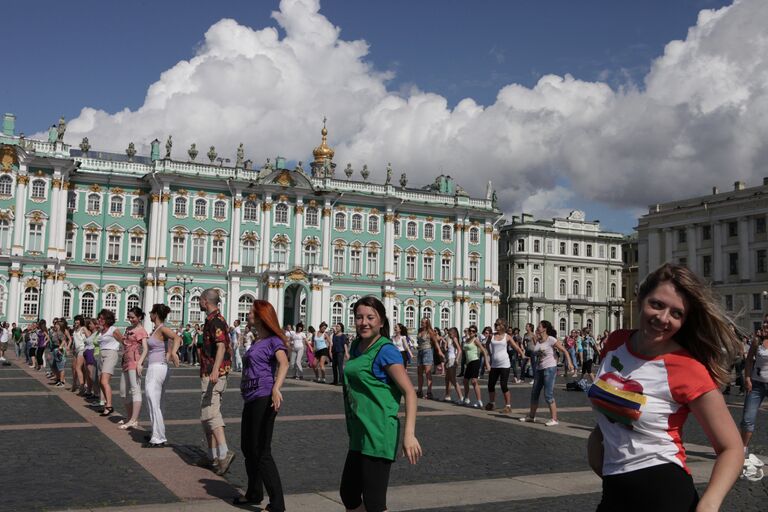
<point x="210" y="403"/>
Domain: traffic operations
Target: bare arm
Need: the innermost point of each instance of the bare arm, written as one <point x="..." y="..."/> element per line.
<point x="411" y="446"/>
<point x="713" y="416"/>
<point x="560" y="348"/>
<point x="144" y="350"/>
<point x="748" y="362"/>
<point x="118" y="335"/>
<point x="512" y="343"/>
<point x="485" y="354"/>
<point x="172" y="354"/>
<point x="282" y="371"/>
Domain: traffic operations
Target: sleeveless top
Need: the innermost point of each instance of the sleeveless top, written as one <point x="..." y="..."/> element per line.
<point x="499" y="354"/>
<point x="370" y="405"/>
<point x="470" y="351"/>
<point x="399" y="342"/>
<point x="451" y="349"/>
<point x="320" y="343"/>
<point x="79" y="339"/>
<point x="760" y="368"/>
<point x="424" y="343"/>
<point x="156" y="346"/>
<point x="107" y="340"/>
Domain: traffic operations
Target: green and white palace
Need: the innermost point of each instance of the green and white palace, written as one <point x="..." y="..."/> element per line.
<point x="82" y="230"/>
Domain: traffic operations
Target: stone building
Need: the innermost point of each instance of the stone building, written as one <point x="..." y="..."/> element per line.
<point x="630" y="280"/>
<point x="565" y="270"/>
<point x="722" y="237"/>
<point x="82" y="230"/>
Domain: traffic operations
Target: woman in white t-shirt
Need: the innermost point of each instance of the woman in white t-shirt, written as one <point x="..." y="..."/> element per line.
<point x="298" y="341"/>
<point x="648" y="382"/>
<point x="756" y="389"/>
<point x="110" y="339"/>
<point x="400" y="339"/>
<point x="545" y="344"/>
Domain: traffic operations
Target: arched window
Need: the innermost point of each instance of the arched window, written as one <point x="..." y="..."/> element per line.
<point x="180" y="206"/>
<point x="562" y="287"/>
<point x="563" y="325"/>
<point x="219" y="210"/>
<point x="243" y="307"/>
<point x="395" y="313"/>
<point x="373" y="224"/>
<point x="427" y="312"/>
<point x="66" y="305"/>
<point x="281" y="213"/>
<point x="589" y="289"/>
<point x="175" y="303"/>
<point x="38" y="189"/>
<point x="303" y="308"/>
<point x="447" y="233"/>
<point x="536" y="283"/>
<point x="337" y="312"/>
<point x="410" y="230"/>
<point x="94" y="203"/>
<point x="248" y="256"/>
<point x="429" y="231"/>
<point x="474" y="235"/>
<point x="340" y="221"/>
<point x="280" y="253"/>
<point x="31" y="301"/>
<point x="201" y="208"/>
<point x="250" y="211"/>
<point x="137" y="209"/>
<point x="6" y="185"/>
<point x="445" y="318"/>
<point x="473" y="317"/>
<point x="613" y="290"/>
<point x="575" y="288"/>
<point x="410" y="317"/>
<point x="311" y="217"/>
<point x="194" y="314"/>
<point x="87" y="303"/>
<point x="116" y="205"/>
<point x="71" y="200"/>
<point x="310" y="254"/>
<point x="131" y="302"/>
<point x="351" y="314"/>
<point x="520" y="285"/>
<point x="357" y="222"/>
<point x="110" y="302"/>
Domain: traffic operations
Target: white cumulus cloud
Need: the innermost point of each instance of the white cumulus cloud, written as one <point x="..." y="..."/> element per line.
<point x="700" y="118"/>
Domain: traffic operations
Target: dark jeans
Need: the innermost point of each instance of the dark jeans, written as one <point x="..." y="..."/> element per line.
<point x="39" y="355"/>
<point x="674" y="490"/>
<point x="513" y="363"/>
<point x="193" y="350"/>
<point x="183" y="354"/>
<point x="338" y="367"/>
<point x="258" y="422"/>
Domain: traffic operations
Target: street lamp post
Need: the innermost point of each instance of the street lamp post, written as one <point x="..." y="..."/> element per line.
<point x="184" y="280"/>
<point x="419" y="293"/>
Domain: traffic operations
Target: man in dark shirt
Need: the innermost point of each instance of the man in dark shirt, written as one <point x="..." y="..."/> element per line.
<point x="215" y="364"/>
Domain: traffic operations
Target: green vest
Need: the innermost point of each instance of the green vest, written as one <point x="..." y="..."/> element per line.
<point x="370" y="405"/>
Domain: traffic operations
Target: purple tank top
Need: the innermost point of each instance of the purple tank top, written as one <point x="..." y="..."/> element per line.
<point x="156" y="347"/>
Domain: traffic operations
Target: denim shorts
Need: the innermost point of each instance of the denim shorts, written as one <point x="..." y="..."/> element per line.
<point x="425" y="357"/>
<point x="544" y="379"/>
<point x="752" y="402"/>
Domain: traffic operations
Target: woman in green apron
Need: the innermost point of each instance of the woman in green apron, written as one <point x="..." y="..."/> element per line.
<point x="374" y="381"/>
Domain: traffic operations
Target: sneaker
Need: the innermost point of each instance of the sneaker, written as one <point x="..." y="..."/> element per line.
<point x="204" y="461"/>
<point x="751" y="472"/>
<point x="60" y="384"/>
<point x="526" y="419"/>
<point x="531" y="383"/>
<point x="489" y="406"/>
<point x="754" y="460"/>
<point x="466" y="401"/>
<point x="552" y="423"/>
<point x="225" y="462"/>
<point x="478" y="404"/>
<point x="447" y="398"/>
<point x="507" y="409"/>
<point x="419" y="394"/>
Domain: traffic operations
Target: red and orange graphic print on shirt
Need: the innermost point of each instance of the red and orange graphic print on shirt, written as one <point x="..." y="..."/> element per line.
<point x="214" y="332"/>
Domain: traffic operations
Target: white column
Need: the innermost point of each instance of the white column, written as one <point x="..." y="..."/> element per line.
<point x="162" y="252"/>
<point x="488" y="258"/>
<point x="58" y="295"/>
<point x="325" y="303"/>
<point x="457" y="317"/>
<point x="389" y="249"/>
<point x="717" y="251"/>
<point x="234" y="237"/>
<point x="149" y="298"/>
<point x="20" y="212"/>
<point x="465" y="254"/>
<point x="53" y="229"/>
<point x="690" y="238"/>
<point x="280" y="289"/>
<point x="273" y="296"/>
<point x="160" y="289"/>
<point x="298" y="232"/>
<point x="389" y="304"/>
<point x="744" y="258"/>
<point x="495" y="260"/>
<point x="596" y="324"/>
<point x="233" y="293"/>
<point x="327" y="242"/>
<point x="621" y="318"/>
<point x="458" y="258"/>
<point x="668" y="240"/>
<point x="316" y="299"/>
<point x="654" y="251"/>
<point x="570" y="319"/>
<point x="49" y="292"/>
<point x="13" y="299"/>
<point x="488" y="318"/>
<point x="154" y="229"/>
<point x="62" y="221"/>
<point x="266" y="229"/>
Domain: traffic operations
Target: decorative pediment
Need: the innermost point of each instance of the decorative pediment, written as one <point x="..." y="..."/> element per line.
<point x="286" y="178"/>
<point x="8" y="158"/>
<point x="296" y="274"/>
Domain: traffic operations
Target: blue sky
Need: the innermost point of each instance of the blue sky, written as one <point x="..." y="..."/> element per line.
<point x="68" y="55"/>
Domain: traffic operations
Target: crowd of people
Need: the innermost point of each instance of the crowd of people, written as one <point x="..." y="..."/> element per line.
<point x="641" y="383"/>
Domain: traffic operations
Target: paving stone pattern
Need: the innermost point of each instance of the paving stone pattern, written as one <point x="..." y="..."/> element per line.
<point x="20" y="410"/>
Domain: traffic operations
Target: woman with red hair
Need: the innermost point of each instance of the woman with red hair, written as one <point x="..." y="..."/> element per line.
<point x="265" y="366"/>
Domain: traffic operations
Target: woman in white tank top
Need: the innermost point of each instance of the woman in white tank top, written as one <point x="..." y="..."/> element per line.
<point x="497" y="345"/>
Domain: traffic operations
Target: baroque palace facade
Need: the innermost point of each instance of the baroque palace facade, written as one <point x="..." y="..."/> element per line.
<point x="82" y="230"/>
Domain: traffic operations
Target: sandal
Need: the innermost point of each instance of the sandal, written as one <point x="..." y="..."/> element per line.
<point x="507" y="409"/>
<point x="107" y="411"/>
<point x="129" y="424"/>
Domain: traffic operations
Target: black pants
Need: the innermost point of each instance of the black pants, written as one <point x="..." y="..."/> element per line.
<point x="258" y="421"/>
<point x="338" y="367"/>
<point x="39" y="355"/>
<point x="498" y="374"/>
<point x="662" y="488"/>
<point x="365" y="480"/>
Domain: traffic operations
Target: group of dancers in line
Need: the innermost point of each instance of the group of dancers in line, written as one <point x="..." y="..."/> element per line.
<point x="647" y="383"/>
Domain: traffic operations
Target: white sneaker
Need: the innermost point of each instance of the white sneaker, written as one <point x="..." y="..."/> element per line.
<point x="526" y="419"/>
<point x="466" y="401"/>
<point x="754" y="460"/>
<point x="750" y="472"/>
<point x="478" y="404"/>
<point x="552" y="423"/>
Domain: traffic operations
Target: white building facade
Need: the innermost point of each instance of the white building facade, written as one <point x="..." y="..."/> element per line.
<point x="722" y="237"/>
<point x="565" y="270"/>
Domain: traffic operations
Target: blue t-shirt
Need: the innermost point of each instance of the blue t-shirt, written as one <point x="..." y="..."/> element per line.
<point x="387" y="355"/>
<point x="338" y="342"/>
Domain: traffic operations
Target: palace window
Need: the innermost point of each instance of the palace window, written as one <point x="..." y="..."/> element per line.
<point x="113" y="247"/>
<point x="521" y="245"/>
<point x="198" y="250"/>
<point x="373" y="224"/>
<point x="136" y="249"/>
<point x="219" y="210"/>
<point x="248" y="250"/>
<point x="178" y="248"/>
<point x="66" y="305"/>
<point x="116" y="205"/>
<point x="429" y="231"/>
<point x="589" y="289"/>
<point x="445" y="268"/>
<point x="217" y="252"/>
<point x="250" y="211"/>
<point x="6" y="185"/>
<point x="338" y="260"/>
<point x="396" y="264"/>
<point x="537" y="246"/>
<point x="473" y="271"/>
<point x="589" y="250"/>
<point x="35" y="237"/>
<point x="520" y="289"/>
<point x="310" y="254"/>
<point x="91" y="246"/>
<point x="706" y="265"/>
<point x="761" y="260"/>
<point x="180" y="206"/>
<point x="137" y="207"/>
<point x="562" y="248"/>
<point x="473" y="317"/>
<point x="474" y="235"/>
<point x="71" y="200"/>
<point x="396" y="226"/>
<point x="31" y="301"/>
<point x="337" y="313"/>
<point x="131" y="302"/>
<point x="613" y="252"/>
<point x="110" y="302"/>
<point x="410" y="266"/>
<point x="733" y="263"/>
<point x="372" y="262"/>
<point x="356" y="261"/>
<point x="281" y="213"/>
<point x="38" y="189"/>
<point x="563" y="325"/>
<point x="201" y="208"/>
<point x="410" y="230"/>
<point x="5" y="231"/>
<point x="357" y="222"/>
<point x="445" y="318"/>
<point x="94" y="203"/>
<point x="562" y="288"/>
<point x="536" y="284"/>
<point x="410" y="317"/>
<point x="176" y="304"/>
<point x="244" y="304"/>
<point x="280" y="254"/>
<point x="429" y="268"/>
<point x="613" y="290"/>
<point x="576" y="249"/>
<point x="447" y="233"/>
<point x="575" y="288"/>
<point x="87" y="304"/>
<point x="312" y="217"/>
<point x="340" y="221"/>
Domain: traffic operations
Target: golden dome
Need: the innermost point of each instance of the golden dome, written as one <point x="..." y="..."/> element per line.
<point x="323" y="151"/>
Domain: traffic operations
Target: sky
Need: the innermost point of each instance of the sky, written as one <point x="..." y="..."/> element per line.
<point x="602" y="106"/>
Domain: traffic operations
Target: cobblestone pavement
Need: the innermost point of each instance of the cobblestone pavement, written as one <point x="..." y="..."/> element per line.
<point x="87" y="462"/>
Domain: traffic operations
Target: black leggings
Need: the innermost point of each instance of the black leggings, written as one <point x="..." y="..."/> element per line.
<point x="39" y="355"/>
<point x="365" y="480"/>
<point x="671" y="490"/>
<point x="338" y="367"/>
<point x="495" y="374"/>
<point x="258" y="421"/>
